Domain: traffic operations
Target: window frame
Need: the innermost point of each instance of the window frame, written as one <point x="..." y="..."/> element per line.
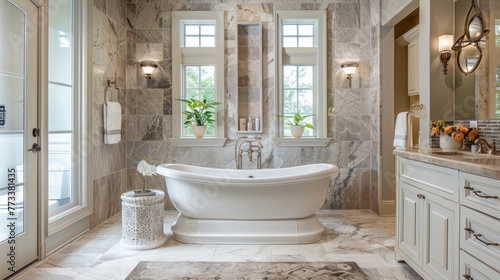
<point x="315" y="56"/>
<point x="58" y="226"/>
<point x="196" y="56"/>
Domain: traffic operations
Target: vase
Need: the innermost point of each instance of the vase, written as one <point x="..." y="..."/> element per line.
<point x="297" y="130"/>
<point x="199" y="130"/>
<point x="447" y="142"/>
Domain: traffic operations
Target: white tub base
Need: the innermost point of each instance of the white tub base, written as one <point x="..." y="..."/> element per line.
<point x="205" y="231"/>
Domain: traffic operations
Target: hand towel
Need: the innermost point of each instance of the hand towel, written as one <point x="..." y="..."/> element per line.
<point x="401" y="131"/>
<point x="112" y="122"/>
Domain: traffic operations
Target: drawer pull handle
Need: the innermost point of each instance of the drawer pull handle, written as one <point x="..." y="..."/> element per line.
<point x="421" y="196"/>
<point x="469" y="230"/>
<point x="484" y="196"/>
<point x="469" y="188"/>
<point x="467" y="277"/>
<point x="477" y="235"/>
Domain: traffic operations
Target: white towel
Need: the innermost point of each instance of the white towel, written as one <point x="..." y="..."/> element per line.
<point x="112" y="122"/>
<point x="401" y="131"/>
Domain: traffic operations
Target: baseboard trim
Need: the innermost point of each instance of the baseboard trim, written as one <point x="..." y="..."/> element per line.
<point x="388" y="208"/>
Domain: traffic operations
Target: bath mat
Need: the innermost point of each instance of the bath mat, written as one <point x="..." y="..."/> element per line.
<point x="247" y="270"/>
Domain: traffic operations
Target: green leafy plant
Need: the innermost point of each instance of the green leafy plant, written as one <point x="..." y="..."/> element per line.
<point x="199" y="112"/>
<point x="298" y="120"/>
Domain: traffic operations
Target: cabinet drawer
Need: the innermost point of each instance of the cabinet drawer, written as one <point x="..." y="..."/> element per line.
<point x="480" y="193"/>
<point x="475" y="269"/>
<point x="435" y="179"/>
<point x="480" y="236"/>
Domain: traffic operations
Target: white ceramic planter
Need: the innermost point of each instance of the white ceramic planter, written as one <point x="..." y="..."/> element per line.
<point x="447" y="142"/>
<point x="297" y="130"/>
<point x="199" y="131"/>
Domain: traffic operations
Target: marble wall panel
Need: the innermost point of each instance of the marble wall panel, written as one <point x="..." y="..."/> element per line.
<point x="351" y="121"/>
<point x="110" y="52"/>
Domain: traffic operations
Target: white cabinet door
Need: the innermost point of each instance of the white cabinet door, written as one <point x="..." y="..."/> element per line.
<point x="440" y="229"/>
<point x="409" y="222"/>
<point x="413" y="67"/>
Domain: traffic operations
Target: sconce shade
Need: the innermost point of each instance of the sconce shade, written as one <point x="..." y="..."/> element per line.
<point x="349" y="68"/>
<point x="445" y="43"/>
<point x="148" y="67"/>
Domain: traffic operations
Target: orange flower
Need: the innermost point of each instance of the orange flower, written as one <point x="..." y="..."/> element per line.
<point x="447" y="130"/>
<point x="435" y="131"/>
<point x="458" y="136"/>
<point x="472" y="135"/>
<point x="463" y="129"/>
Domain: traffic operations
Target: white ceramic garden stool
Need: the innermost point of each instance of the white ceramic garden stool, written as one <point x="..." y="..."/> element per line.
<point x="142" y="221"/>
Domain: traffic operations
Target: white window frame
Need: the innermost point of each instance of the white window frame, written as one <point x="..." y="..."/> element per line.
<point x="64" y="225"/>
<point x="182" y="56"/>
<point x="303" y="56"/>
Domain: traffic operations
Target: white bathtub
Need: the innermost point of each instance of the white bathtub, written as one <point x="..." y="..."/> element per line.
<point x="225" y="206"/>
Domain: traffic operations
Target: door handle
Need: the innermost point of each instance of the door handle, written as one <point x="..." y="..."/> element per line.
<point x="35" y="148"/>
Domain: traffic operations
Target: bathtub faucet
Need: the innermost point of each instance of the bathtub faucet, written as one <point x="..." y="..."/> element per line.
<point x="253" y="147"/>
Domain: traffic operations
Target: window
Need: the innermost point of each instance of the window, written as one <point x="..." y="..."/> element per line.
<point x="199" y="85"/>
<point x="298" y="82"/>
<point x="65" y="167"/>
<point x="301" y="76"/>
<point x="298" y="35"/>
<point x="198" y="65"/>
<point x="199" y="35"/>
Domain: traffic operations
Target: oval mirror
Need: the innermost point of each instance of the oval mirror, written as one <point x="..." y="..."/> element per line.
<point x="475" y="29"/>
<point x="468" y="58"/>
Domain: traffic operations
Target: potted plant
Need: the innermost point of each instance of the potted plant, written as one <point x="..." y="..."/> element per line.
<point x="297" y="124"/>
<point x="199" y="114"/>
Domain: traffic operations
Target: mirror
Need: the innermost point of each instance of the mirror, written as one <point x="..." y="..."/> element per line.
<point x="476" y="94"/>
<point x="468" y="58"/>
<point x="475" y="28"/>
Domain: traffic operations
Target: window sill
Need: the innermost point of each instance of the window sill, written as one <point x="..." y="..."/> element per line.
<point x="301" y="142"/>
<point x="198" y="142"/>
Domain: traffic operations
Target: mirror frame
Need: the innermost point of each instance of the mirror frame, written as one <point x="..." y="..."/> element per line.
<point x="465" y="40"/>
<point x="480" y="56"/>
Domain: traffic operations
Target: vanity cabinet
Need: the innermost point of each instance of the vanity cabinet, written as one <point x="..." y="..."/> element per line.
<point x="480" y="226"/>
<point x="447" y="221"/>
<point x="427" y="219"/>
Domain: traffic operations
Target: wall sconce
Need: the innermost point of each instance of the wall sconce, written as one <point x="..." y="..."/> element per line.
<point x="349" y="69"/>
<point x="148" y="68"/>
<point x="445" y="44"/>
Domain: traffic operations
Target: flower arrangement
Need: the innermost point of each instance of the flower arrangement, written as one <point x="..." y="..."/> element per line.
<point x="457" y="131"/>
<point x="145" y="169"/>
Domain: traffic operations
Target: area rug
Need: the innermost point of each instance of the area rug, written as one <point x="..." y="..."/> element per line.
<point x="247" y="271"/>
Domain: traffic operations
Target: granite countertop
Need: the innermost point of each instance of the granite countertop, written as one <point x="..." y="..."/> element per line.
<point x="479" y="164"/>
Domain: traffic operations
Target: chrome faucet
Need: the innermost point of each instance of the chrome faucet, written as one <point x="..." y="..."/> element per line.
<point x="491" y="147"/>
<point x="253" y="146"/>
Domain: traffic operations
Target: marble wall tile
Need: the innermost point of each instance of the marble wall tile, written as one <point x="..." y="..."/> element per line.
<point x="347" y="15"/>
<point x="149" y="102"/>
<point x="149" y="127"/>
<point x="149" y="15"/>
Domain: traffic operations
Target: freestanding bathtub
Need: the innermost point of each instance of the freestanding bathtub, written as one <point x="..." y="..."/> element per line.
<point x="266" y="206"/>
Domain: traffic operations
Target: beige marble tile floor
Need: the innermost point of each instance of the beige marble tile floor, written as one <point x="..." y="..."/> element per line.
<point x="350" y="235"/>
